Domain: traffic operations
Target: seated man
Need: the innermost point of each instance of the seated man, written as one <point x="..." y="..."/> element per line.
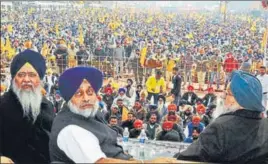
<point x="138" y="126"/>
<point x="172" y="109"/>
<point x="210" y="97"/>
<point x="79" y="134"/>
<point x="152" y="128"/>
<point x="113" y="123"/>
<point x="168" y="134"/>
<point x="239" y="134"/>
<point x="152" y="109"/>
<point x="139" y="111"/>
<point x="194" y="124"/>
<point x="190" y="96"/>
<point x="129" y="122"/>
<point x="194" y="137"/>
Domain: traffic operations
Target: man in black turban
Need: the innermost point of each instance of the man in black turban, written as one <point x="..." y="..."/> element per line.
<point x="25" y="115"/>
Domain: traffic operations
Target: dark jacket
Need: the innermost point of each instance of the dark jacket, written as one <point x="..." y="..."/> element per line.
<point x="237" y="137"/>
<point x="108" y="101"/>
<point x="168" y="136"/>
<point x="61" y="61"/>
<point x="193" y="98"/>
<point x="127" y="124"/>
<point x="176" y="90"/>
<point x="81" y="55"/>
<point x="210" y="96"/>
<point x="21" y="140"/>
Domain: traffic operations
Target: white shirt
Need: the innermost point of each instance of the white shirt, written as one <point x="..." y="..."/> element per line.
<point x="264" y="82"/>
<point x="79" y="144"/>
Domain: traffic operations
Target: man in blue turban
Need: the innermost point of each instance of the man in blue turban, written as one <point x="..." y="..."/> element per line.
<point x="79" y="132"/>
<point x="238" y="134"/>
<point x="25" y="115"/>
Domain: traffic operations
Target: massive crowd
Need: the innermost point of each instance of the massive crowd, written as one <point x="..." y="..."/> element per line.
<point x="162" y="72"/>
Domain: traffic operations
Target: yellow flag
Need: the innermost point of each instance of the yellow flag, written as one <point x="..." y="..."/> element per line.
<point x="81" y="37"/>
<point x="124" y="113"/>
<point x="9" y="28"/>
<point x="143" y="55"/>
<point x="253" y="27"/>
<point x="264" y="40"/>
<point x="57" y="29"/>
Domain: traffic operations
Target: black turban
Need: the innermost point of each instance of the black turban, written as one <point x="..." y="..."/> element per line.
<point x="31" y="57"/>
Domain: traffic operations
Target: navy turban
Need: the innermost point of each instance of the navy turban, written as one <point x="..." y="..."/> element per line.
<point x="33" y="58"/>
<point x="247" y="91"/>
<point x="122" y="90"/>
<point x="71" y="79"/>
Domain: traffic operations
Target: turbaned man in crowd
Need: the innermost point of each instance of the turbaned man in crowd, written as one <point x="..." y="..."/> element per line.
<point x="25" y="115"/>
<point x="239" y="134"/>
<point x="79" y="132"/>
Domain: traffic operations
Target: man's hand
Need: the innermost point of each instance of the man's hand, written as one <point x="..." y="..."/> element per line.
<point x="153" y="89"/>
<point x="162" y="160"/>
<point x="5" y="160"/>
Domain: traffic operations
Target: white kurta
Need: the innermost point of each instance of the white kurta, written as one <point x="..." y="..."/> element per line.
<point x="80" y="145"/>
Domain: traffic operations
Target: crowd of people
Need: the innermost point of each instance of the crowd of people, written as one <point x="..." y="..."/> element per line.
<point x="163" y="73"/>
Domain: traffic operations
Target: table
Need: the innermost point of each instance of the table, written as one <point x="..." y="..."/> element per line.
<point x="152" y="149"/>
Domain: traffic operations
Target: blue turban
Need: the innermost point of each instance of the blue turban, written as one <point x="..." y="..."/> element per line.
<point x="247" y="91"/>
<point x="122" y="90"/>
<point x="33" y="58"/>
<point x="71" y="79"/>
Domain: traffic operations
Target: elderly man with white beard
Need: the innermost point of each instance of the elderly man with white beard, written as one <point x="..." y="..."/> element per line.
<point x="238" y="134"/>
<point x="79" y="132"/>
<point x="25" y="115"/>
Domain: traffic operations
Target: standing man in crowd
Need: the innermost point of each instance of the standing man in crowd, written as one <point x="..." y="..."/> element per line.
<point x="263" y="77"/>
<point x="25" y="115"/>
<point x="176" y="87"/>
<point x="155" y="85"/>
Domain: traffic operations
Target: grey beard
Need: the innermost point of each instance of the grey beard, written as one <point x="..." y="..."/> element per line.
<point x="90" y="112"/>
<point x="222" y="109"/>
<point x="29" y="100"/>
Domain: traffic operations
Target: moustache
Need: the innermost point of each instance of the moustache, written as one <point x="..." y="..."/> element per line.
<point x="87" y="105"/>
<point x="27" y="85"/>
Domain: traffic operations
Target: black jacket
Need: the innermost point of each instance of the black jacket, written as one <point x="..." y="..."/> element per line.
<point x="168" y="136"/>
<point x="20" y="139"/>
<point x="127" y="124"/>
<point x="236" y="137"/>
<point x="212" y="99"/>
<point x="176" y="90"/>
<point x="194" y="97"/>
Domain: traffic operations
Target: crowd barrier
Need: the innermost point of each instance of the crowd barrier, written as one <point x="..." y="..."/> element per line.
<point x="113" y="67"/>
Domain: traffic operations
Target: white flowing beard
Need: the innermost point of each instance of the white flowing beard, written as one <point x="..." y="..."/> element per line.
<point x="222" y="109"/>
<point x="89" y="112"/>
<point x="160" y="106"/>
<point x="29" y="100"/>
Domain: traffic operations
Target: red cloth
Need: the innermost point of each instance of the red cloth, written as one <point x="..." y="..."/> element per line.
<point x="230" y="64"/>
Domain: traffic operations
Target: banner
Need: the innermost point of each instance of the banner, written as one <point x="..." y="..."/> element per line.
<point x="124" y="113"/>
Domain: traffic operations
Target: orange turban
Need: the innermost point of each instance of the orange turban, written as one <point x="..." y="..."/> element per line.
<point x="172" y="107"/>
<point x="190" y="88"/>
<point x="138" y="124"/>
<point x="196" y="119"/>
<point x="201" y="108"/>
<point x="167" y="125"/>
<point x="210" y="90"/>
